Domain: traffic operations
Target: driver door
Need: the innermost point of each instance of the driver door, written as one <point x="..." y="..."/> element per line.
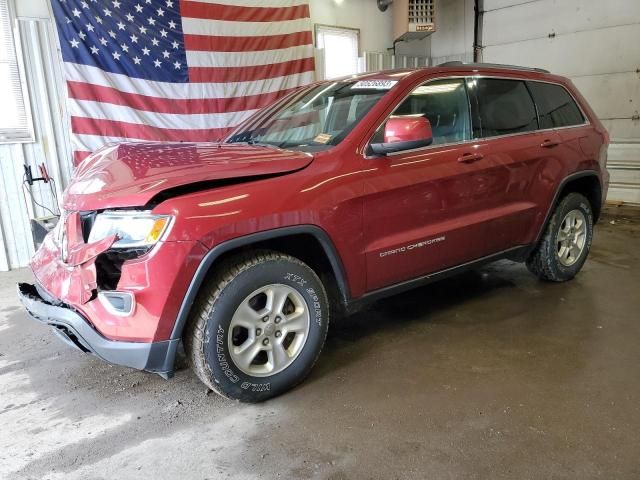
<point x="423" y="208"/>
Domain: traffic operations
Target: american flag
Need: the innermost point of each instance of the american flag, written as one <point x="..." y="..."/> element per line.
<point x="177" y="69"/>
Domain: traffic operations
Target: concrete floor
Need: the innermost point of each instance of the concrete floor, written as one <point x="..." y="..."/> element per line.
<point x="488" y="375"/>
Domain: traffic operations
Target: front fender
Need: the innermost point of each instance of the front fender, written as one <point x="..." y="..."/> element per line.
<point x="243" y="241"/>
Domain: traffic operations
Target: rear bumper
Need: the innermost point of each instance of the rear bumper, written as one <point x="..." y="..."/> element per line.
<point x="73" y="329"/>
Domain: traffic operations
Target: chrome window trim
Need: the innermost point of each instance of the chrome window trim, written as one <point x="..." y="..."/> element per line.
<point x="475" y="140"/>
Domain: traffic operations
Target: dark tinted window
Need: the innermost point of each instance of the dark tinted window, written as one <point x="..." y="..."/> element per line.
<point x="501" y="107"/>
<point x="556" y="108"/>
<point x="444" y="103"/>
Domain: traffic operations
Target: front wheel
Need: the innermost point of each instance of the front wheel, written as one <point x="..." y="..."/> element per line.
<point x="258" y="326"/>
<point x="564" y="247"/>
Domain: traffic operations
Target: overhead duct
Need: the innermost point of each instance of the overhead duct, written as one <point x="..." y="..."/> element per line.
<point x="413" y="19"/>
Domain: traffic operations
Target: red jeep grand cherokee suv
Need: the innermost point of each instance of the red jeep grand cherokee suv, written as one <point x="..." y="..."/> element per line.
<point x="339" y="193"/>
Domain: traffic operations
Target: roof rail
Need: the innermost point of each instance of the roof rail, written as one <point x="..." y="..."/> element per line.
<point x="458" y="63"/>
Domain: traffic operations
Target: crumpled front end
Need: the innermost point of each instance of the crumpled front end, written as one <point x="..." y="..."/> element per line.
<point x="69" y="274"/>
<point x="107" y="300"/>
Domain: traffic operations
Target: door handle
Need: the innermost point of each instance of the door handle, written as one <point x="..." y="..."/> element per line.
<point x="470" y="157"/>
<point x="549" y="143"/>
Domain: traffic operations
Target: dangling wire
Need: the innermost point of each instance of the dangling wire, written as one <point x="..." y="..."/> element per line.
<point x="33" y="199"/>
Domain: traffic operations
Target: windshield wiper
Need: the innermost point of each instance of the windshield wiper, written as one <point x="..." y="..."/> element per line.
<point x="254" y="142"/>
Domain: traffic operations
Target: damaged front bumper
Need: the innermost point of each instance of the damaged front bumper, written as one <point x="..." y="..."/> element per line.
<point x="156" y="357"/>
<point x="121" y="308"/>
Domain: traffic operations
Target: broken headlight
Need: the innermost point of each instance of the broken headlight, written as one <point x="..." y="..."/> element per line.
<point x="134" y="228"/>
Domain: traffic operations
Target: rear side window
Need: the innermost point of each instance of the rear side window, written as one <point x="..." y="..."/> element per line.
<point x="444" y="103"/>
<point x="556" y="107"/>
<point x="501" y="107"/>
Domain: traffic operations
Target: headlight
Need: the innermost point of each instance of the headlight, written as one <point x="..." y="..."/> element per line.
<point x="133" y="228"/>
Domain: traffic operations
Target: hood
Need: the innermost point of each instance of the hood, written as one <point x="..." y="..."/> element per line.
<point x="131" y="174"/>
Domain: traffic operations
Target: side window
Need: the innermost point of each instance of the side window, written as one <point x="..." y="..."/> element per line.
<point x="556" y="107"/>
<point x="444" y="103"/>
<point x="501" y="107"/>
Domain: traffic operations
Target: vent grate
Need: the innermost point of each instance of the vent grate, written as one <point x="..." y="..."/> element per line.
<point x="421" y="11"/>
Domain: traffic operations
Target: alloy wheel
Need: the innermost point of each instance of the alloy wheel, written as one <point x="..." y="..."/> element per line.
<point x="268" y="330"/>
<point x="571" y="237"/>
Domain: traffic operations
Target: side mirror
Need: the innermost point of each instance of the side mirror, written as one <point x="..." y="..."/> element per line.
<point x="404" y="133"/>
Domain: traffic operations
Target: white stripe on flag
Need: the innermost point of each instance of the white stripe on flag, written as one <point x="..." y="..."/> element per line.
<point x="91" y="143"/>
<point x="119" y="113"/>
<point x="96" y="76"/>
<point x="248" y="59"/>
<point x="223" y="28"/>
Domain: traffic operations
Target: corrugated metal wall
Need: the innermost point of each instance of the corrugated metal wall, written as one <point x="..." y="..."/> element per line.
<point x="374" y="61"/>
<point x="46" y="92"/>
<point x="597" y="45"/>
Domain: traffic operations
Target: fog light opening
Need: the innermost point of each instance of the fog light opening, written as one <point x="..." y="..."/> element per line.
<point x="118" y="303"/>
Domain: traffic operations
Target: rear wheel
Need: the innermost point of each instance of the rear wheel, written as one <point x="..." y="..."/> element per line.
<point x="258" y="326"/>
<point x="565" y="244"/>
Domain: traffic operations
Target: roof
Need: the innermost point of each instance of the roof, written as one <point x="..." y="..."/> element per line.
<point x="401" y="73"/>
<point x="494" y="66"/>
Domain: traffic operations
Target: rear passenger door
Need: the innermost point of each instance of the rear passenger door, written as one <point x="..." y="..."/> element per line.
<point x="560" y="117"/>
<point x="558" y="111"/>
<point x="516" y="153"/>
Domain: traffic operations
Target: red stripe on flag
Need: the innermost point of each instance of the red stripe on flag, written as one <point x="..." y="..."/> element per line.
<point x="209" y="43"/>
<point x="79" y="156"/>
<point x="98" y="93"/>
<point x="254" y="72"/>
<point x="112" y="128"/>
<point x="217" y="11"/>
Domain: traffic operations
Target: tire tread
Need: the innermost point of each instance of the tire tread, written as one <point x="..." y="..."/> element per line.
<point x="541" y="261"/>
<point x="194" y="338"/>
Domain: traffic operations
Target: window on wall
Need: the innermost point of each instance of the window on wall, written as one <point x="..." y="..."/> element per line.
<point x="15" y="119"/>
<point x="341" y="48"/>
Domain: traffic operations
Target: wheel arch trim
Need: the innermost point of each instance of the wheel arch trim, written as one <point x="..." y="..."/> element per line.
<point x="556" y="197"/>
<point x="212" y="255"/>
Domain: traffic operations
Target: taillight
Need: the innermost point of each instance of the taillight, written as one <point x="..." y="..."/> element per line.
<point x="604" y="153"/>
<point x="604" y="147"/>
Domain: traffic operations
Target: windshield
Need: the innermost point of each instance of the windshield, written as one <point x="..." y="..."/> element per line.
<point x="317" y="118"/>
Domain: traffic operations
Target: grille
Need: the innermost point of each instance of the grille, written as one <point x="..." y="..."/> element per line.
<point x="421" y="11"/>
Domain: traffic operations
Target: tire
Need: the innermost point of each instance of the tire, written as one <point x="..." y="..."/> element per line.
<point x="553" y="258"/>
<point x="230" y="313"/>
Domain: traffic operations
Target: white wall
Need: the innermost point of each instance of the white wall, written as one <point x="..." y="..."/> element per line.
<point x="375" y="26"/>
<point x="597" y="45"/>
<point x="51" y="145"/>
<point x="453" y="38"/>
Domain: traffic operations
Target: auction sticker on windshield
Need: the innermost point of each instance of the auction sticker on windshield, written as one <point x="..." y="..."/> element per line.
<point x="322" y="138"/>
<point x="374" y="84"/>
